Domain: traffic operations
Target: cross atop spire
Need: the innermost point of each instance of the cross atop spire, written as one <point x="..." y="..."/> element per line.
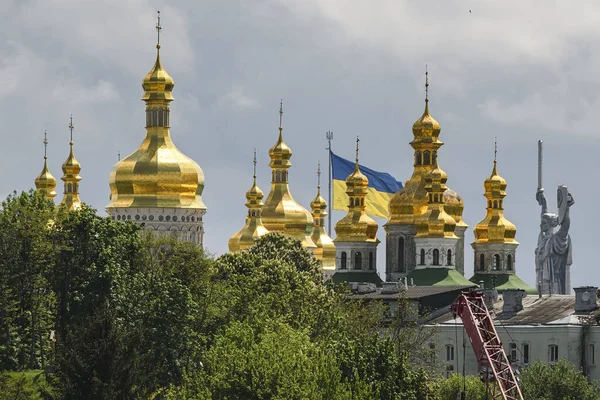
<point x="357" y="140"/>
<point x="71" y="127"/>
<point x="45" y="145"/>
<point x="158" y="28"/>
<point x="119" y="155"/>
<point x="319" y="175"/>
<point x="426" y="85"/>
<point x="281" y="114"/>
<point x="495" y="148"/>
<point x="254" y="162"/>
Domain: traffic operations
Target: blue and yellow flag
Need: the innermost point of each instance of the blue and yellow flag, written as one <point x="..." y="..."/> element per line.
<point x="382" y="187"/>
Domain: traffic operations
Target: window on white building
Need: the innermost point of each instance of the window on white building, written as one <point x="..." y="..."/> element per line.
<point x="512" y="354"/>
<point x="591" y="354"/>
<point x="449" y="352"/>
<point x="436" y="257"/>
<point x="525" y="351"/>
<point x="552" y="353"/>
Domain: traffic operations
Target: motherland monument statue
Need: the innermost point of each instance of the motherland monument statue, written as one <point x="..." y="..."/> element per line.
<point x="553" y="254"/>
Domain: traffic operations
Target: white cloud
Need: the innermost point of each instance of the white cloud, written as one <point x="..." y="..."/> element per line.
<point x="237" y="98"/>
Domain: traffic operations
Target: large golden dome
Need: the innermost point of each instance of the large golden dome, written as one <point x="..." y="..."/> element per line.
<point x="281" y="213"/>
<point x="495" y="228"/>
<point x="157" y="174"/>
<point x="410" y="202"/>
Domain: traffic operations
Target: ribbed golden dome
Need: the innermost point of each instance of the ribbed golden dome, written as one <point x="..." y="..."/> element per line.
<point x="281" y="213"/>
<point x="157" y="174"/>
<point x="495" y="228"/>
<point x="325" y="250"/>
<point x="254" y="228"/>
<point x="45" y="183"/>
<point x="356" y="226"/>
<point x="426" y="127"/>
<point x="436" y="222"/>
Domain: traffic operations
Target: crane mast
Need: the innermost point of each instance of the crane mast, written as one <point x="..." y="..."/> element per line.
<point x="492" y="360"/>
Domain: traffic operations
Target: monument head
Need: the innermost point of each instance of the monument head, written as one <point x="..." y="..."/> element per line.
<point x="549" y="222"/>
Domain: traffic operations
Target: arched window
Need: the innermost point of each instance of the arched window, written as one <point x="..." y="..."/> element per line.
<point x="160" y="117"/>
<point x="436" y="257"/>
<point x="401" y="264"/>
<point x="343" y="260"/>
<point x="509" y="265"/>
<point x="449" y="257"/>
<point x="481" y="262"/>
<point x="69" y="188"/>
<point x="419" y="158"/>
<point x="496" y="263"/>
<point x="277" y="176"/>
<point x="495" y="203"/>
<point x="358" y="260"/>
<point x="435" y="198"/>
<point x="284" y="176"/>
<point x="426" y="157"/>
<point x="371" y="261"/>
<point x="422" y="257"/>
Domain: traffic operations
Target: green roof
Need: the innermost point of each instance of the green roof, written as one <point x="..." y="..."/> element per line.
<point x="437" y="277"/>
<point x="503" y="282"/>
<point x="369" y="277"/>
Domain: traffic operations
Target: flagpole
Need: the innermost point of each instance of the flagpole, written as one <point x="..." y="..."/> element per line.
<point x="329" y="137"/>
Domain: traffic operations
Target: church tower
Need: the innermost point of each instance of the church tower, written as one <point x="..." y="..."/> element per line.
<point x="244" y="239"/>
<point x="411" y="202"/>
<point x="158" y="185"/>
<point x="495" y="245"/>
<point x="325" y="250"/>
<point x="45" y="183"/>
<point x="281" y="213"/>
<point x="356" y="235"/>
<point x="71" y="177"/>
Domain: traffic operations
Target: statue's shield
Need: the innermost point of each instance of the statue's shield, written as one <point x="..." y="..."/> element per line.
<point x="561" y="201"/>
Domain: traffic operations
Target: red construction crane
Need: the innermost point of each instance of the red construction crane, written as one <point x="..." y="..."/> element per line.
<point x="492" y="360"/>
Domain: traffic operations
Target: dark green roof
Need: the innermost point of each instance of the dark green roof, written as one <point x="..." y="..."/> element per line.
<point x="503" y="282"/>
<point x="437" y="277"/>
<point x="369" y="277"/>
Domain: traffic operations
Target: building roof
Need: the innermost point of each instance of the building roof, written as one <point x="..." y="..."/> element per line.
<point x="503" y="282"/>
<point x="545" y="310"/>
<point x="438" y="277"/>
<point x="351" y="276"/>
<point x="410" y="292"/>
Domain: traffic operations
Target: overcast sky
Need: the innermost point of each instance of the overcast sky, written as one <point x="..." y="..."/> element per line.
<point x="518" y="71"/>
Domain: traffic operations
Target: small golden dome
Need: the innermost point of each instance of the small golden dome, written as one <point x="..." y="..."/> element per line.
<point x="254" y="228"/>
<point x="46" y="183"/>
<point x="325" y="250"/>
<point x="158" y="84"/>
<point x="435" y="222"/>
<point x="356" y="226"/>
<point x="495" y="228"/>
<point x="426" y="126"/>
<point x="71" y="166"/>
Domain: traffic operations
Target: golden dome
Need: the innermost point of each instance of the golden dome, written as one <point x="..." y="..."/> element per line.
<point x="281" y="213"/>
<point x="254" y="228"/>
<point x="435" y="222"/>
<point x="356" y="226"/>
<point x="495" y="228"/>
<point x="410" y="202"/>
<point x="46" y="183"/>
<point x="71" y="177"/>
<point x="157" y="174"/>
<point x="325" y="251"/>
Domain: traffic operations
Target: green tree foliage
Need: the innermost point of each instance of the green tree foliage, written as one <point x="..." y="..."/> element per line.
<point x="449" y="389"/>
<point x="561" y="380"/>
<point x="26" y="300"/>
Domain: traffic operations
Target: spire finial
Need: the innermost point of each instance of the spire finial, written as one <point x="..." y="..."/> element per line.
<point x="119" y="155"/>
<point x="254" y="162"/>
<point x="45" y="145"/>
<point x="357" y="140"/>
<point x="319" y="175"/>
<point x="495" y="148"/>
<point x="71" y="127"/>
<point x="281" y="114"/>
<point x="158" y="28"/>
<point x="426" y="85"/>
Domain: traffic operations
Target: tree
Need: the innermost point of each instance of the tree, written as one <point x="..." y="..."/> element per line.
<point x="561" y="380"/>
<point x="26" y="259"/>
<point x="449" y="389"/>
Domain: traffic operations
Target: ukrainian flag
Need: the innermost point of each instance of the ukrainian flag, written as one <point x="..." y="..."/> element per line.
<point x="382" y="187"/>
